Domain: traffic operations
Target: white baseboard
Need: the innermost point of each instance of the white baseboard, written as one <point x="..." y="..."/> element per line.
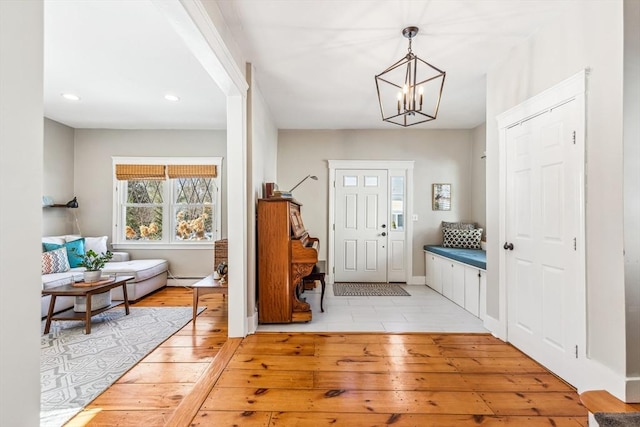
<point x="496" y="327"/>
<point x="417" y="280"/>
<point x="252" y="323"/>
<point x="182" y="281"/>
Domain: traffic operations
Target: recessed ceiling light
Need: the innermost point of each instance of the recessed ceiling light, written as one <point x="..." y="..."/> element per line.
<point x="71" y="97"/>
<point x="173" y="98"/>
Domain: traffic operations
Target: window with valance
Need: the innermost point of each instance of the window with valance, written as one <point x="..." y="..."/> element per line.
<point x="166" y="201"/>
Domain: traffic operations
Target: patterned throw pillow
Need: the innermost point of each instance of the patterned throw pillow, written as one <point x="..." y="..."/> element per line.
<point x="466" y="239"/>
<point x="458" y="225"/>
<point x="75" y="250"/>
<point x="55" y="261"/>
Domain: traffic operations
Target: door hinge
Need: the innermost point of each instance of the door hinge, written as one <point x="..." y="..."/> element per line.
<point x="334" y="270"/>
<point x="575" y="244"/>
<point x="576" y="351"/>
<point x="334" y="227"/>
<point x="574" y="137"/>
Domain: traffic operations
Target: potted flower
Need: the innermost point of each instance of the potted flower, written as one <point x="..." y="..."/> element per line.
<point x="94" y="263"/>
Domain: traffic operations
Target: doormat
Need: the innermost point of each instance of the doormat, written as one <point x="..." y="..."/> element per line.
<point x="368" y="290"/>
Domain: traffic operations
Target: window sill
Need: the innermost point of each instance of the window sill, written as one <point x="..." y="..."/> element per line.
<point x="163" y="246"/>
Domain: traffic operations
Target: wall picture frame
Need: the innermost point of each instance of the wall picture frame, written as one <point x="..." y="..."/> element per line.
<point x="441" y="197"/>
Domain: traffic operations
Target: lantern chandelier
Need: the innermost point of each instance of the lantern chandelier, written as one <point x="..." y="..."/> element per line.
<point x="409" y="91"/>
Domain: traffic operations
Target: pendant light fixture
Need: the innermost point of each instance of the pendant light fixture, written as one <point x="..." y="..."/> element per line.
<point x="410" y="90"/>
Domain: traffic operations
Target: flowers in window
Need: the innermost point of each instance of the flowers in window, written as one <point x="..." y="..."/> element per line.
<point x="198" y="228"/>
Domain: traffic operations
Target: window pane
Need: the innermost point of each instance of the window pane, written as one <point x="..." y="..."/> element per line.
<point x="144" y="191"/>
<point x="144" y="223"/>
<point x="370" y="181"/>
<point x="350" y="181"/>
<point x="194" y="223"/>
<point x="194" y="190"/>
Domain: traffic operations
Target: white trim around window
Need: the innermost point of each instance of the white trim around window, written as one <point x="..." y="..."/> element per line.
<point x="118" y="219"/>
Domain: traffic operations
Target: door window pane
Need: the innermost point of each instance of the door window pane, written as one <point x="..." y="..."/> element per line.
<point x="350" y="181"/>
<point x="370" y="181"/>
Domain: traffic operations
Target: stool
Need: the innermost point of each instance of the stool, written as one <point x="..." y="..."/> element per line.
<point x="317" y="274"/>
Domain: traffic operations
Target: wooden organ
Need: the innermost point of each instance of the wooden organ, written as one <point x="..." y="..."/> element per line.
<point x="286" y="254"/>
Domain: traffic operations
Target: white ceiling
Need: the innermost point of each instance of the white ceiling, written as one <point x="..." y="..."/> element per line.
<point x="315" y="60"/>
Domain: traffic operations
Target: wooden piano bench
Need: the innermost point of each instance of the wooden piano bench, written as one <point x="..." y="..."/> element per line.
<point x="317" y="273"/>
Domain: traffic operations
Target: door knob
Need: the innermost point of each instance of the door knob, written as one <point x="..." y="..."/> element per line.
<point x="508" y="246"/>
<point x="384" y="225"/>
<point x="383" y="234"/>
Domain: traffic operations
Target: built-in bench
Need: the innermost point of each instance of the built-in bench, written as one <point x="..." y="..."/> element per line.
<point x="458" y="274"/>
<point x="475" y="257"/>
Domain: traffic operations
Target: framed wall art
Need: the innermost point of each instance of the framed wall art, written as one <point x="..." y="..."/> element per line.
<point x="441" y="200"/>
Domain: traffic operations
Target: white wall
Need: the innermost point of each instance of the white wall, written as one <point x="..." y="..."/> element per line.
<point x="94" y="149"/>
<point x="632" y="181"/>
<point x="479" y="177"/>
<point x="262" y="143"/>
<point x="21" y="111"/>
<point x="441" y="156"/>
<point x="588" y="35"/>
<point x="57" y="180"/>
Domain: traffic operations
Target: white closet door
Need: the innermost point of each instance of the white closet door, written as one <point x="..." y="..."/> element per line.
<point x="542" y="207"/>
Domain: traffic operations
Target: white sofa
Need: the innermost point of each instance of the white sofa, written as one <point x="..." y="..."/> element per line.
<point x="149" y="274"/>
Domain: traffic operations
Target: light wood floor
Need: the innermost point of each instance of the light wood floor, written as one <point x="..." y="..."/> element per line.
<point x="337" y="379"/>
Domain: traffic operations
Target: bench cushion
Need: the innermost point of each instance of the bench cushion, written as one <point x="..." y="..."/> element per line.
<point x="141" y="269"/>
<point x="475" y="257"/>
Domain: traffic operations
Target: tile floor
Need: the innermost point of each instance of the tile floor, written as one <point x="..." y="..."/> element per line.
<point x="424" y="311"/>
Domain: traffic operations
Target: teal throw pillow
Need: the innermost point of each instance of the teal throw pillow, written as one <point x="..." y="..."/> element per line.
<point x="75" y="250"/>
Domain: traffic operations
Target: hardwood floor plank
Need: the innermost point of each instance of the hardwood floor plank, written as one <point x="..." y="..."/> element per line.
<point x="198" y="341"/>
<point x="421" y="364"/>
<point x="302" y="419"/>
<point x="469" y="339"/>
<point x="340" y="401"/>
<point x="129" y="397"/>
<point x="181" y="354"/>
<point x="283" y="349"/>
<point x="377" y="350"/>
<point x="266" y="379"/>
<point x="391" y="381"/>
<point x="308" y="363"/>
<point x="519" y="365"/>
<point x="156" y="373"/>
<point x="99" y="418"/>
<point x="232" y="418"/>
<point x="279" y="338"/>
<point x="479" y="350"/>
<point x="520" y="382"/>
<point x="545" y="404"/>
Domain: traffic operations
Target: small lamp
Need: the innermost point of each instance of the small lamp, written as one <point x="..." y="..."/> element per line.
<point x="313" y="177"/>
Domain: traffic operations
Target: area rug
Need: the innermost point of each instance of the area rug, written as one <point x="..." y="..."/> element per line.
<point x="368" y="290"/>
<point x="75" y="368"/>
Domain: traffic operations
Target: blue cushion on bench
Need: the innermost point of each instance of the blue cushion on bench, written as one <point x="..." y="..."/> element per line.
<point x="475" y="257"/>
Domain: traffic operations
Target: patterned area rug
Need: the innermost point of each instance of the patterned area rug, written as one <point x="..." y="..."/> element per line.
<point x="368" y="290"/>
<point x="75" y="368"/>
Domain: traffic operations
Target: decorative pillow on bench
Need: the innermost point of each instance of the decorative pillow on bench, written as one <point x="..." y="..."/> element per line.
<point x="466" y="239"/>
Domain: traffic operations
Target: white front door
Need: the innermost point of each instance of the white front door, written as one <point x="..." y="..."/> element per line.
<point x="361" y="225"/>
<point x="542" y="225"/>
